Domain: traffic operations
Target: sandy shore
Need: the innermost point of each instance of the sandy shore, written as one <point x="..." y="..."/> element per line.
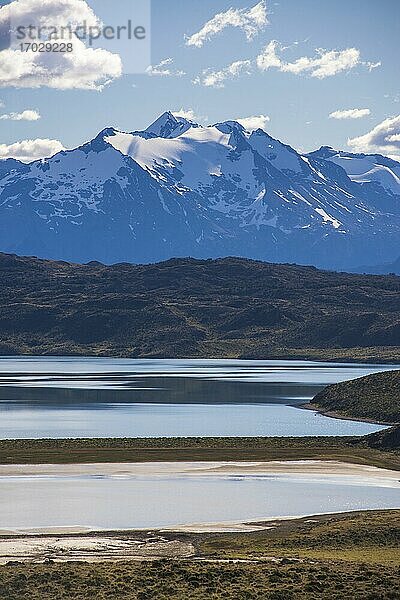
<point x="92" y="549"/>
<point x="198" y="469"/>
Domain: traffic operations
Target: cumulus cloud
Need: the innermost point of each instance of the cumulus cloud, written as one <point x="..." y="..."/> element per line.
<point x="382" y="139"/>
<point x="25" y="115"/>
<point x="351" y="113"/>
<point x="325" y="63"/>
<point x="217" y="79"/>
<point x="251" y="21"/>
<point x="30" y="150"/>
<point x="253" y="123"/>
<point x="185" y="114"/>
<point x="269" y="58"/>
<point x="83" y="68"/>
<point x="189" y="114"/>
<point x="165" y="69"/>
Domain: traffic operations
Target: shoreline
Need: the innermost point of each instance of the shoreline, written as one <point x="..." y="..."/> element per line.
<point x="178" y="543"/>
<point x="235" y="526"/>
<point x="375" y="359"/>
<point x="342" y="417"/>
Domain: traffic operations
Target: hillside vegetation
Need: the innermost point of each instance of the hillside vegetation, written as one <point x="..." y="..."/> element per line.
<point x="386" y="440"/>
<point x="191" y="308"/>
<point x="375" y="397"/>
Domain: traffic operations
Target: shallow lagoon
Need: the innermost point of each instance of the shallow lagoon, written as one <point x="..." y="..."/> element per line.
<point x="125" y="502"/>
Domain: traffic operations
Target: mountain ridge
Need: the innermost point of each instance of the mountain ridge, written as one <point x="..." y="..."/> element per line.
<point x="385" y="269"/>
<point x="178" y="188"/>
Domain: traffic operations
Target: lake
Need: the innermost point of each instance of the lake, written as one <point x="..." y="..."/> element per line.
<point x="51" y="397"/>
<point x="149" y="498"/>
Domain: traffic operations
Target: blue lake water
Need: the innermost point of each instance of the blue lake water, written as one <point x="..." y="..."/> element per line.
<point x="150" y="502"/>
<point x="106" y="397"/>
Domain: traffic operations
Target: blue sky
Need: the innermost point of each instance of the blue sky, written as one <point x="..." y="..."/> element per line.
<point x="298" y="105"/>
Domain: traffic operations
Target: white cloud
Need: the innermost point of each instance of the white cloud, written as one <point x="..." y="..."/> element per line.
<point x="251" y="21"/>
<point x="185" y="114"/>
<point x="351" y="113"/>
<point x="269" y="58"/>
<point x="253" y="123"/>
<point x="325" y="63"/>
<point x="371" y="66"/>
<point x="30" y="150"/>
<point x="382" y="139"/>
<point x="395" y="98"/>
<point x="165" y="69"/>
<point x="217" y="79"/>
<point x="83" y="68"/>
<point x="25" y="115"/>
<point x="393" y="138"/>
<point x="190" y="115"/>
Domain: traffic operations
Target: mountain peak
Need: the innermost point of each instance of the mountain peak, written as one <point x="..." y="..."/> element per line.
<point x="98" y="144"/>
<point x="323" y="152"/>
<point x="229" y="127"/>
<point x="169" y="125"/>
<point x="107" y="131"/>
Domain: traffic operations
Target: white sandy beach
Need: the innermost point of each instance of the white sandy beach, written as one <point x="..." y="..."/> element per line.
<point x="91" y="549"/>
<point x="198" y="469"/>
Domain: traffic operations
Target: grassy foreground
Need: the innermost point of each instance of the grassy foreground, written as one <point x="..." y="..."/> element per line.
<point x="359" y="537"/>
<point x="328" y="557"/>
<point x="331" y="557"/>
<point x="347" y="449"/>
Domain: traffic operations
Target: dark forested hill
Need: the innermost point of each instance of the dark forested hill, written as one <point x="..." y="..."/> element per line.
<point x="191" y="308"/>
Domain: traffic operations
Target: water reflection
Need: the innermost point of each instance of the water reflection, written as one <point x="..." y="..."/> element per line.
<point x="163" y="390"/>
<point x="88" y="397"/>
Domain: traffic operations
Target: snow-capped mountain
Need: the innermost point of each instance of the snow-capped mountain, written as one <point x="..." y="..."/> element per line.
<point x="365" y="168"/>
<point x="179" y="189"/>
